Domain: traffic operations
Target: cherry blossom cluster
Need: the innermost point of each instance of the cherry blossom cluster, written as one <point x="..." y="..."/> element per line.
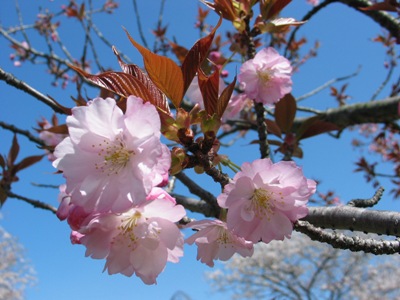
<point x="116" y="166"/>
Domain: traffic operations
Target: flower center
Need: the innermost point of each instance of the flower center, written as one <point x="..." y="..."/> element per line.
<point x="263" y="202"/>
<point x="115" y="156"/>
<point x="224" y="237"/>
<point x="265" y="75"/>
<point x="136" y="228"/>
<point x="127" y="229"/>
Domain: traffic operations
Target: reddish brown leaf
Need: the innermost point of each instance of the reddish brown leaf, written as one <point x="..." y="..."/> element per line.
<point x="314" y="126"/>
<point x="60" y="129"/>
<point x="285" y="111"/>
<point x="270" y="9"/>
<point x="225" y="97"/>
<point x="157" y="97"/>
<point x="2" y="162"/>
<point x="62" y="108"/>
<point x="209" y="86"/>
<point x="13" y="153"/>
<point x="164" y="73"/>
<point x="387" y="5"/>
<point x="298" y="152"/>
<point x="3" y="196"/>
<point x="26" y="162"/>
<point x="196" y="56"/>
<point x="273" y="128"/>
<point x="120" y="83"/>
<point x="179" y="51"/>
<point x="224" y="8"/>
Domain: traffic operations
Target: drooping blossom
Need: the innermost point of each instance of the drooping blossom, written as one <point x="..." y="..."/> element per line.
<point x="111" y="161"/>
<point x="215" y="241"/>
<point x="139" y="241"/>
<point x="264" y="199"/>
<point x="267" y="77"/>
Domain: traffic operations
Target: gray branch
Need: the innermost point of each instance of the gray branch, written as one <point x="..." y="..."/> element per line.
<point x="379" y="111"/>
<point x="355" y="219"/>
<point x="352" y="243"/>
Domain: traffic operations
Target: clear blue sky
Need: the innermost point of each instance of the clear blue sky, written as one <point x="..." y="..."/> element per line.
<point x="62" y="270"/>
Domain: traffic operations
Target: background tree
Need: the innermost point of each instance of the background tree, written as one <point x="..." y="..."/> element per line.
<point x="304" y="269"/>
<point x="16" y="274"/>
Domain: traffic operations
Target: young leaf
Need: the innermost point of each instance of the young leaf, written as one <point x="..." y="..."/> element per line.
<point x="273" y="128"/>
<point x="196" y="55"/>
<point x="317" y="127"/>
<point x="120" y="83"/>
<point x="60" y="129"/>
<point x="157" y="97"/>
<point x="26" y="162"/>
<point x="13" y="153"/>
<point x="209" y="86"/>
<point x="314" y="126"/>
<point x="2" y="162"/>
<point x="179" y="51"/>
<point x="225" y="97"/>
<point x="3" y="196"/>
<point x="164" y="72"/>
<point x="285" y="111"/>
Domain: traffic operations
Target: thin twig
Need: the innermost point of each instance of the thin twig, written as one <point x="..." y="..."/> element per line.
<point x="34" y="203"/>
<point x="367" y="202"/>
<point x="139" y="24"/>
<point x="327" y="84"/>
<point x="23" y="132"/>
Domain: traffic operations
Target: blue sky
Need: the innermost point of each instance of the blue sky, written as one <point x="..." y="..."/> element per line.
<point x="62" y="270"/>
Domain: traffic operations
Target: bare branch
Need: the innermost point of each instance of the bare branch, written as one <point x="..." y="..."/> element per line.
<point x="378" y="111"/>
<point x="327" y="84"/>
<point x="355" y="219"/>
<point x="197" y="190"/>
<point x="23" y="132"/>
<point x="198" y="206"/>
<point x="34" y="203"/>
<point x="341" y="241"/>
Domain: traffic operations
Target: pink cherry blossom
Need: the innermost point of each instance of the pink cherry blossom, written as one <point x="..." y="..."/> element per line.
<point x="267" y="77"/>
<point x="111" y="161"/>
<point x="235" y="106"/>
<point x="215" y="241"/>
<point x="313" y="2"/>
<point x="139" y="241"/>
<point x="264" y="199"/>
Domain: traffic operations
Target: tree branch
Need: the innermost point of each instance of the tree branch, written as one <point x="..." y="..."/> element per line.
<point x="384" y="19"/>
<point x="198" y="206"/>
<point x="197" y="190"/>
<point x="341" y="241"/>
<point x="355" y="219"/>
<point x="379" y="111"/>
<point x="34" y="203"/>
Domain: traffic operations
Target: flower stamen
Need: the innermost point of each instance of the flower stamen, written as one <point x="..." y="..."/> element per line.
<point x="115" y="156"/>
